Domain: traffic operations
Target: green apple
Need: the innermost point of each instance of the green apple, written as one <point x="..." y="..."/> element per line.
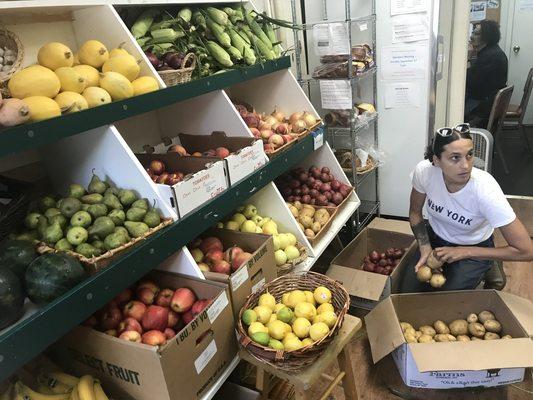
<point x="258" y="229"/>
<point x="264" y="221"/>
<point x="249" y="211"/>
<point x="239" y="218"/>
<point x="232" y="225"/>
<point x="283" y="241"/>
<point x="248" y="226"/>
<point x="77" y="235"/>
<point x="257" y="219"/>
<point x="275" y="239"/>
<point x="291" y="238"/>
<point x="281" y="257"/>
<point x="292" y="252"/>
<point x="270" y="228"/>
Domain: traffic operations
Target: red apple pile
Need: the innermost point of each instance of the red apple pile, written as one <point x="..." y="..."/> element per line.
<point x="220" y="152"/>
<point x="210" y="255"/>
<point x="383" y="263"/>
<point x="316" y="186"/>
<point x="157" y="171"/>
<point x="148" y="314"/>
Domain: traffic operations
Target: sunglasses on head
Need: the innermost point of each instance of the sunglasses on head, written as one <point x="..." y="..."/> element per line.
<point x="461" y="128"/>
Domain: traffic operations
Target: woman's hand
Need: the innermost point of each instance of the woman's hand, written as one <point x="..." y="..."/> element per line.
<point x="452" y="254"/>
<point x="425" y="251"/>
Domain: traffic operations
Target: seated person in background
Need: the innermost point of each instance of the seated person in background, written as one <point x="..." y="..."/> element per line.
<point x="486" y="75"/>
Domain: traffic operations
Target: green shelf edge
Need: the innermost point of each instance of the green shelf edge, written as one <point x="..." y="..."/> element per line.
<point x="33" y="335"/>
<point x="33" y="135"/>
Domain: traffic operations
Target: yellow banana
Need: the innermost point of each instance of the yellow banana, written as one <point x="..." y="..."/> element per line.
<point x="99" y="392"/>
<point x="65" y="379"/>
<point x="86" y="388"/>
<point x="30" y="394"/>
<point x="44" y="389"/>
<point x="74" y="394"/>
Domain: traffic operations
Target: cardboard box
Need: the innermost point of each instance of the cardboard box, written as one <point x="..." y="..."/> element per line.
<point x="205" y="178"/>
<point x="184" y="368"/>
<point x="248" y="154"/>
<point x="367" y="288"/>
<point x="449" y="365"/>
<point x="250" y="277"/>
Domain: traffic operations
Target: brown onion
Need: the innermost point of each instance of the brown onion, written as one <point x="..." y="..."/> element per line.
<point x="278" y="115"/>
<point x="309" y="119"/>
<point x="295" y="117"/>
<point x="299" y="126"/>
<point x="270" y="120"/>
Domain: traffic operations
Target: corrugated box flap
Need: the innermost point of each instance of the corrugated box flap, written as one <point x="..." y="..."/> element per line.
<point x="393" y="225"/>
<point x="473" y="356"/>
<point x="521" y="308"/>
<point x="383" y="329"/>
<point x="367" y="285"/>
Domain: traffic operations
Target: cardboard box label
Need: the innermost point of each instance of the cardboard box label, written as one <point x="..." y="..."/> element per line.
<point x="246" y="161"/>
<point x="258" y="285"/>
<point x="216" y="308"/>
<point x="239" y="277"/>
<point x="201" y="362"/>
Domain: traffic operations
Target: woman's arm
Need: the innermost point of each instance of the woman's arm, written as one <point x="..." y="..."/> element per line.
<point x="418" y="226"/>
<point x="519" y="247"/>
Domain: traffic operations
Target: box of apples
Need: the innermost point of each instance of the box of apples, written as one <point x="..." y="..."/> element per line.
<point x="186" y="182"/>
<point x="243" y="260"/>
<point x="168" y="322"/>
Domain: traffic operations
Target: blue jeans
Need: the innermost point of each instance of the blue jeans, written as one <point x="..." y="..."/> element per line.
<point x="460" y="275"/>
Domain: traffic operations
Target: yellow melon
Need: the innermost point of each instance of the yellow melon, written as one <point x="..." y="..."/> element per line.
<point x="90" y="74"/>
<point x="144" y="84"/>
<point x="34" y="80"/>
<point x="124" y="64"/>
<point x="71" y="102"/>
<point x="117" y="85"/>
<point x="54" y="55"/>
<point x="93" y="53"/>
<point x="96" y="96"/>
<point x="71" y="80"/>
<point x="42" y="107"/>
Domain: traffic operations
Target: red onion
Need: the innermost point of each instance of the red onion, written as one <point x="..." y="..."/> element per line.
<point x="251" y="120"/>
<point x="156" y="63"/>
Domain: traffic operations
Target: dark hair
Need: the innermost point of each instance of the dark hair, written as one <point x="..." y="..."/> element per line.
<point x="436" y="146"/>
<point x="490" y="32"/>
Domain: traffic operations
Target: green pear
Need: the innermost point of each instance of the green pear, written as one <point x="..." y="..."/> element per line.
<point x="31" y="220"/>
<point x="93" y="198"/>
<point x="127" y="197"/>
<point x="136" y="229"/>
<point x="47" y="202"/>
<point x="52" y="233"/>
<point x="85" y="207"/>
<point x="97" y="210"/>
<point x="70" y="206"/>
<point x="152" y="218"/>
<point x="28" y="235"/>
<point x="112" y="202"/>
<point x="249" y="211"/>
<point x="101" y="227"/>
<point x="60" y="219"/>
<point x="51" y="212"/>
<point x="87" y="250"/>
<point x="114" y="240"/>
<point x="76" y="191"/>
<point x="96" y="185"/>
<point x="81" y="218"/>
<point x="111" y="190"/>
<point x="141" y="203"/>
<point x="123" y="231"/>
<point x="99" y="245"/>
<point x="77" y="235"/>
<point x="63" y="245"/>
<point x="118" y="216"/>
<point x="42" y="224"/>
<point x="135" y="214"/>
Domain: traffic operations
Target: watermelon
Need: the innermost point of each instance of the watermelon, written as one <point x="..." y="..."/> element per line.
<point x="16" y="255"/>
<point x="51" y="275"/>
<point x="11" y="298"/>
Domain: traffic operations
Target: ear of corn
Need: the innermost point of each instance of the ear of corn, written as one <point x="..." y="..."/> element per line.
<point x="218" y="31"/>
<point x="219" y="53"/>
<point x="166" y="35"/>
<point x="185" y="14"/>
<point x="256" y="29"/>
<point x="249" y="56"/>
<point x="267" y="28"/>
<point x="237" y="41"/>
<point x="263" y="48"/>
<point x="143" y="22"/>
<point x="234" y="53"/>
<point x="219" y="16"/>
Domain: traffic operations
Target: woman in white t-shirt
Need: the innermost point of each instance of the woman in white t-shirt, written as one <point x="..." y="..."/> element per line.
<point x="463" y="205"/>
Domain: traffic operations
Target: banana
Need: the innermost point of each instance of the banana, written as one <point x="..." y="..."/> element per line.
<point x="99" y="392"/>
<point x="86" y="388"/>
<point x="74" y="394"/>
<point x="65" y="379"/>
<point x="29" y="394"/>
<point x="44" y="389"/>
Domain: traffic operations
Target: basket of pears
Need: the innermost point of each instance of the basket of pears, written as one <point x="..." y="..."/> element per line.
<point x="290" y="322"/>
<point x="93" y="224"/>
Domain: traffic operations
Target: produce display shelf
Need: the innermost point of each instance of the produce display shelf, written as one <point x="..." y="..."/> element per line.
<point x="225" y="375"/>
<point x="345" y="131"/>
<point x="336" y="225"/>
<point x="29" y="337"/>
<point x="359" y="77"/>
<point x="362" y="19"/>
<point x="33" y="135"/>
<point x="55" y="3"/>
<point x="368" y="209"/>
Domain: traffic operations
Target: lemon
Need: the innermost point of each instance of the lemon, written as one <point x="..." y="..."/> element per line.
<point x="249" y="316"/>
<point x="307" y="342"/>
<point x="276" y="329"/>
<point x="118" y="51"/>
<point x="278" y="307"/>
<point x="267" y="300"/>
<point x="288" y="328"/>
<point x="275" y="344"/>
<point x="90" y="74"/>
<point x="96" y="96"/>
<point x="309" y="297"/>
<point x="42" y="108"/>
<point x="322" y="295"/>
<point x="318" y="331"/>
<point x="263" y="314"/>
<point x="329" y="318"/>
<point x="144" y="84"/>
<point x="71" y="102"/>
<point x="290" y="335"/>
<point x="305" y="310"/>
<point x="124" y="64"/>
<point x="71" y="80"/>
<point x="273" y="318"/>
<point x="301" y="327"/>
<point x="295" y="297"/>
<point x="34" y="80"/>
<point x="54" y="55"/>
<point x="256" y="327"/>
<point x="261" y="338"/>
<point x="285" y="314"/>
<point x="292" y="344"/>
<point x="317" y="318"/>
<point x="93" y="53"/>
<point x="285" y="298"/>
<point x="325" y="307"/>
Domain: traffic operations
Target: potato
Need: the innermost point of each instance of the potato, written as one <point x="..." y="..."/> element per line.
<point x="409" y="331"/>
<point x="432" y="261"/>
<point x="298" y="205"/>
<point x="459" y="327"/>
<point x="301" y="226"/>
<point x="475" y="338"/>
<point x="424" y="273"/>
<point x="294" y="211"/>
<point x="418" y="334"/>
<point x="471" y="318"/>
<point x="306" y="221"/>
<point x="476" y="329"/>
<point x="410" y="338"/>
<point x="442" y="337"/>
<point x="405" y="325"/>
<point x="427" y="330"/>
<point x="485" y="316"/>
<point x="308" y="212"/>
<point x="425" y="339"/>
<point x="491" y="336"/>
<point x="315" y="227"/>
<point x="321" y="216"/>
<point x="507" y="337"/>
<point x="437" y="280"/>
<point x="441" y="327"/>
<point x="309" y="233"/>
<point x="451" y="338"/>
<point x="463" y="338"/>
<point x="492" y="325"/>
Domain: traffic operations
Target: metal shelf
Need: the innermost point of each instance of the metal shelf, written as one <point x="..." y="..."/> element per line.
<point x="366" y="18"/>
<point x="362" y="178"/>
<point x="28" y="136"/>
<point x="29" y="337"/>
<point x="354" y="79"/>
<point x="346" y="131"/>
<point x="369" y="209"/>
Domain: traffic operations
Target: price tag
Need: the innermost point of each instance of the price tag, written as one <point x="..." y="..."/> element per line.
<point x="258" y="285"/>
<point x="239" y="277"/>
<point x="216" y="308"/>
<point x="318" y="139"/>
<point x="201" y="362"/>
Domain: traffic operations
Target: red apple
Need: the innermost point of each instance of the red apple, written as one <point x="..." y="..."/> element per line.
<point x="213" y="256"/>
<point x="90" y="322"/>
<point x="146" y="295"/>
<point x="111" y="332"/>
<point x="131" y="336"/>
<point x="210" y="244"/>
<point x="148" y="284"/>
<point x="157" y="167"/>
<point x="199" y="306"/>
<point x="221" y="266"/>
<point x="239" y="259"/>
<point x="173" y="319"/>
<point x="182" y="300"/>
<point x="169" y="333"/>
<point x="187" y="317"/>
<point x="110" y="318"/>
<point x="176" y="148"/>
<point x="230" y="253"/>
<point x="129" y="324"/>
<point x="154" y="338"/>
<point x="222" y="152"/>
<point x="155" y="317"/>
<point x="197" y="255"/>
<point x="163" y="297"/>
<point x="134" y="309"/>
<point x="123" y="297"/>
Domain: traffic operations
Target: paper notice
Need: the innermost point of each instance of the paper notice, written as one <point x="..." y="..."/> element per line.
<point x="217" y="306"/>
<point x="401" y="62"/>
<point x="206" y="356"/>
<point x="410" y="28"/>
<point x="478" y="11"/>
<point x="525" y="5"/>
<point x="402" y="95"/>
<point x="336" y="94"/>
<point x="407" y="6"/>
<point x="239" y="277"/>
<point x="331" y="39"/>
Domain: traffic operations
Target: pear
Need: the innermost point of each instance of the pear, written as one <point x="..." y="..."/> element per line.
<point x="52" y="233"/>
<point x="141" y="203"/>
<point x="58" y="203"/>
<point x="77" y="235"/>
<point x="111" y="190"/>
<point x="51" y="212"/>
<point x="123" y="231"/>
<point x="114" y="240"/>
<point x="76" y="191"/>
<point x="47" y="202"/>
<point x="99" y="245"/>
<point x="88" y="251"/>
<point x="136" y="229"/>
<point x="135" y="214"/>
<point x="32" y="220"/>
<point x="85" y="207"/>
<point x="70" y="206"/>
<point x="127" y="197"/>
<point x="152" y="218"/>
<point x="63" y="245"/>
<point x="42" y="224"/>
<point x="60" y="219"/>
<point x="96" y="185"/>
<point x="112" y="202"/>
<point x="97" y="210"/>
<point x="93" y="198"/>
<point x="102" y="227"/>
<point x="118" y="216"/>
<point x="81" y="218"/>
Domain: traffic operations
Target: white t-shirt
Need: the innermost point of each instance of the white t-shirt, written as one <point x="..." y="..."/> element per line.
<point x="468" y="216"/>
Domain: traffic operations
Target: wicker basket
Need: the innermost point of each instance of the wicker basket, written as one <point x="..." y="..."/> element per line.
<point x="11" y="41"/>
<point x="298" y="359"/>
<point x="182" y="75"/>
<point x="288" y="267"/>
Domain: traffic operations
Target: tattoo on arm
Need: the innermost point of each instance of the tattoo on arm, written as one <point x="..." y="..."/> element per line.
<point x="421" y="233"/>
